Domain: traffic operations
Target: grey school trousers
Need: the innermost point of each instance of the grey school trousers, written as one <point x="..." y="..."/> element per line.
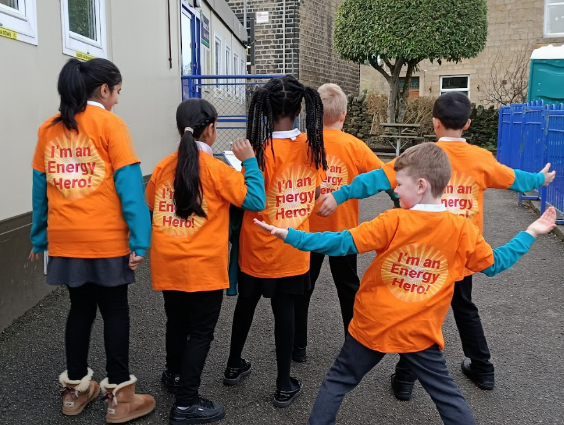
<point x="355" y="360"/>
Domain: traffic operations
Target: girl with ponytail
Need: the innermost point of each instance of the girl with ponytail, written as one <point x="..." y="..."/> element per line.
<point x="89" y="212"/>
<point x="189" y="194"/>
<point x="293" y="165"/>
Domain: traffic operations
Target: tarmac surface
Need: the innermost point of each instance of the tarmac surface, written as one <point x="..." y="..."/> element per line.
<point x="521" y="309"/>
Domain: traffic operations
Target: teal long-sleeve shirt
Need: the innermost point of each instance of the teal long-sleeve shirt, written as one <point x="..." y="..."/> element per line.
<point x="129" y="186"/>
<point x="369" y="184"/>
<point x="342" y="243"/>
<point x="254" y="180"/>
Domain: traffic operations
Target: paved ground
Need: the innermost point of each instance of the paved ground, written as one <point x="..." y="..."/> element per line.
<point x="521" y="308"/>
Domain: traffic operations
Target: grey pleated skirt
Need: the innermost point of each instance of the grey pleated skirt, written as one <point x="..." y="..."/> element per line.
<point x="75" y="272"/>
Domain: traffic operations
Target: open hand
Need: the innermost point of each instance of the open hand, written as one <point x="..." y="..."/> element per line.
<point x="273" y="230"/>
<point x="544" y="224"/>
<point x="242" y="149"/>
<point x="134" y="261"/>
<point x="328" y="205"/>
<point x="548" y="176"/>
<point x="33" y="256"/>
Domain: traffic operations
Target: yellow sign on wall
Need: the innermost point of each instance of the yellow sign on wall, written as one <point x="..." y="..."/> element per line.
<point x="8" y="34"/>
<point x="84" y="56"/>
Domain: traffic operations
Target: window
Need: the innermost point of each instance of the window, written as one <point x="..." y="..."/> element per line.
<point x="237" y="82"/>
<point x="413" y="85"/>
<point x="554" y="18"/>
<point x="243" y="71"/>
<point x="228" y="70"/>
<point x="18" y="20"/>
<point x="217" y="63"/>
<point x="186" y="44"/>
<point x="459" y="83"/>
<point x="84" y="28"/>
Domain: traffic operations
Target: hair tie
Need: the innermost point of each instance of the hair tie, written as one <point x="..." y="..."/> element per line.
<point x="190" y="129"/>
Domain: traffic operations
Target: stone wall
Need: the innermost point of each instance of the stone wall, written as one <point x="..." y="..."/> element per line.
<point x="299" y="41"/>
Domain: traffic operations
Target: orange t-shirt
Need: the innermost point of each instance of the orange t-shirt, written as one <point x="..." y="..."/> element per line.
<point x="347" y="157"/>
<point x="85" y="218"/>
<point x="191" y="255"/>
<point x="290" y="180"/>
<point x="474" y="170"/>
<point x="406" y="291"/>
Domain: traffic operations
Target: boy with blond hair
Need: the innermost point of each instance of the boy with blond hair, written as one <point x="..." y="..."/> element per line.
<point x="347" y="157"/>
<point x="474" y="170"/>
<point x="406" y="291"/>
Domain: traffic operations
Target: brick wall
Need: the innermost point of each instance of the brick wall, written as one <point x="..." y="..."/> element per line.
<point x="308" y="52"/>
<point x="515" y="26"/>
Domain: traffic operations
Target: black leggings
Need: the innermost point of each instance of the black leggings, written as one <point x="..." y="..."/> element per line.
<point x="283" y="309"/>
<point x="115" y="311"/>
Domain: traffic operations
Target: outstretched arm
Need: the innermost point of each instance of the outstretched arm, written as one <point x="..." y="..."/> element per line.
<point x="507" y="255"/>
<point x="363" y="186"/>
<point x="328" y="243"/>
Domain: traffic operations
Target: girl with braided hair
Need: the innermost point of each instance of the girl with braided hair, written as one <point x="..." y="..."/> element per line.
<point x="293" y="165"/>
<point x="190" y="193"/>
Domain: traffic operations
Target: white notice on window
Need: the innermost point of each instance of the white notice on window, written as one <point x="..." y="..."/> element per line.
<point x="262" y="18"/>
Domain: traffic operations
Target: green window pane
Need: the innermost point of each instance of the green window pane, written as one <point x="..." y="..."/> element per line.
<point x="10" y="3"/>
<point x="82" y="18"/>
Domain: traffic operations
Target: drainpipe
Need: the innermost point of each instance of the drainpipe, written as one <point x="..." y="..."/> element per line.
<point x="284" y="37"/>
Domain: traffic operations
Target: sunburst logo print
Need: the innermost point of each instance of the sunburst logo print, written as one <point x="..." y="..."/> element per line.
<point x="291" y="197"/>
<point x="415" y="272"/>
<point x="73" y="166"/>
<point x="337" y="175"/>
<point x="461" y="195"/>
<point x="164" y="214"/>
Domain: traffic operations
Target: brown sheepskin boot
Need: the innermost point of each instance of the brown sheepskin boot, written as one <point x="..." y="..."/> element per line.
<point x="123" y="404"/>
<point x="77" y="394"/>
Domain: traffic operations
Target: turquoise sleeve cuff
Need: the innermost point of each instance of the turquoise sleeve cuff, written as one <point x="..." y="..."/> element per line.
<point x="363" y="186"/>
<point x="40" y="209"/>
<point x="129" y="187"/>
<point x="525" y="181"/>
<point x="256" y="197"/>
<point x="507" y="255"/>
<point x="329" y="243"/>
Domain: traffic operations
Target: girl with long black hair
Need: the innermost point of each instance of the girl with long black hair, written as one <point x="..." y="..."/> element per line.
<point x="89" y="212"/>
<point x="293" y="165"/>
<point x="190" y="193"/>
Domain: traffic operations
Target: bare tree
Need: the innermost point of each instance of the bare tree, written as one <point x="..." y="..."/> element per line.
<point x="509" y="78"/>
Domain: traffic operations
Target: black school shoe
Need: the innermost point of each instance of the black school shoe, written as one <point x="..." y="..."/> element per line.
<point x="484" y="381"/>
<point x="233" y="375"/>
<point x="171" y="382"/>
<point x="299" y="354"/>
<point x="285" y="398"/>
<point x="204" y="412"/>
<point x="402" y="389"/>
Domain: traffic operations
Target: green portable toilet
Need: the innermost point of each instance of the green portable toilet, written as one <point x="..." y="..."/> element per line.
<point x="546" y="76"/>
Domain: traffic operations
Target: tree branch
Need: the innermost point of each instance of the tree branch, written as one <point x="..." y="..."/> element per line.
<point x="374" y="62"/>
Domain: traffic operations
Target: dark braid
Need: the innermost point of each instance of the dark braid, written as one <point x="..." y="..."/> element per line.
<point x="280" y="98"/>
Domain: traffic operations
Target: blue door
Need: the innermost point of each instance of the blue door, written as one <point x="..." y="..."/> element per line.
<point x="190" y="51"/>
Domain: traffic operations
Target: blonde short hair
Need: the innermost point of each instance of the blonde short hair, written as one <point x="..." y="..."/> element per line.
<point x="334" y="102"/>
<point x="427" y="161"/>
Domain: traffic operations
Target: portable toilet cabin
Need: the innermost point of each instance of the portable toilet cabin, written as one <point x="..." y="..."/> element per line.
<point x="546" y="76"/>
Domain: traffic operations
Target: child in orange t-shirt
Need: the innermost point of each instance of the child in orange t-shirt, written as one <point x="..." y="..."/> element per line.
<point x="474" y="171"/>
<point x="190" y="193"/>
<point x="292" y="165"/>
<point x="90" y="213"/>
<point x="347" y="157"/>
<point x="406" y="291"/>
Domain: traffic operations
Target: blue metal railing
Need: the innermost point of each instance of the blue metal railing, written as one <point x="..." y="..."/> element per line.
<point x="531" y="135"/>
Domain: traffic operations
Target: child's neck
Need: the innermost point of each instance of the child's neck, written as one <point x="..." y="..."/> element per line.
<point x="455" y="134"/>
<point x="284" y="124"/>
<point x="335" y="126"/>
<point x="429" y="199"/>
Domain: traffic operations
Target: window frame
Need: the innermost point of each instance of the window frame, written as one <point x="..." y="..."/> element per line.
<point x="443" y="91"/>
<point x="20" y="24"/>
<point x="79" y="46"/>
<point x="547" y="6"/>
<point x="235" y="58"/>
